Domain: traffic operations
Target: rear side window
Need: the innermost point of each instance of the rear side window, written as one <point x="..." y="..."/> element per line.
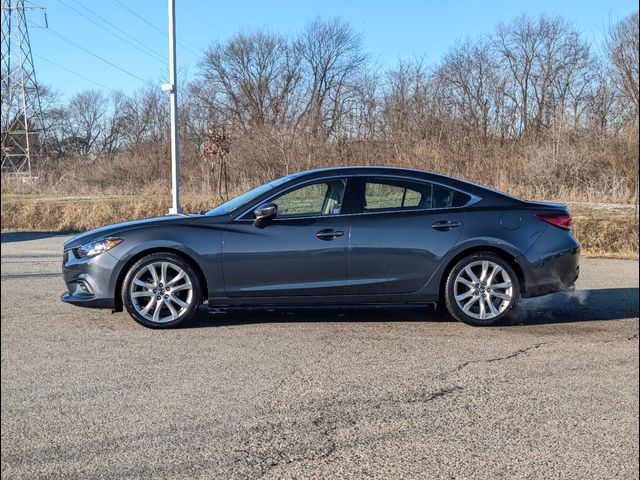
<point x="392" y="195"/>
<point x="385" y="196"/>
<point x="446" y="198"/>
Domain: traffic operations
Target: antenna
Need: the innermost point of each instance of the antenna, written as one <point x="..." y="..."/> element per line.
<point x="22" y="126"/>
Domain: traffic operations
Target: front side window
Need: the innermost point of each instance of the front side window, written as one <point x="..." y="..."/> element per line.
<point x="316" y="199"/>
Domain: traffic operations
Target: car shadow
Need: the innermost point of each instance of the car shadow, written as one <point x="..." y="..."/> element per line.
<point x="10" y="237"/>
<point x="568" y="307"/>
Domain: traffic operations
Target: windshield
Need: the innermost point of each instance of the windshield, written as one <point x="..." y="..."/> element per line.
<point x="247" y="197"/>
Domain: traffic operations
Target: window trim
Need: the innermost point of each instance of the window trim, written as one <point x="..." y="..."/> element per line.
<point x="473" y="198"/>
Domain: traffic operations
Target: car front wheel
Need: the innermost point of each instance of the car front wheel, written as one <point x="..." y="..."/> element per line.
<point x="161" y="290"/>
<point x="481" y="289"/>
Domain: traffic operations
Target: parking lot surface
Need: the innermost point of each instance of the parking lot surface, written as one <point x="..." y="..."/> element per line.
<point x="317" y="393"/>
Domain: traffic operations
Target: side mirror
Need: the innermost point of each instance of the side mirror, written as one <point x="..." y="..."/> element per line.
<point x="265" y="213"/>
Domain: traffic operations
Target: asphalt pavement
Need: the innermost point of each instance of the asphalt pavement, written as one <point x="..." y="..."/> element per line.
<point x="317" y="393"/>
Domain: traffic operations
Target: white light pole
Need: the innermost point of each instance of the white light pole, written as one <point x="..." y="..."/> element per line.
<point x="173" y="101"/>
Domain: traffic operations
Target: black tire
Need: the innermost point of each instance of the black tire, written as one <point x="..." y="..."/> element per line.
<point x="450" y="290"/>
<point x="164" y="298"/>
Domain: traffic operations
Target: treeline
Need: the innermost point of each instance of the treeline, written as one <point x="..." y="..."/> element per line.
<point x="531" y="107"/>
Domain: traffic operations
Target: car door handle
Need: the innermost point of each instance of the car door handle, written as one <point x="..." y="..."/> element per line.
<point x="329" y="234"/>
<point x="445" y="225"/>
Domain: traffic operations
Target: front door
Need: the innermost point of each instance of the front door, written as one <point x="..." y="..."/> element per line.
<point x="303" y="251"/>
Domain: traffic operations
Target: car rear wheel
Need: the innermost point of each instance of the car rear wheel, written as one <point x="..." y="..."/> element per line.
<point x="481" y="289"/>
<point x="161" y="290"/>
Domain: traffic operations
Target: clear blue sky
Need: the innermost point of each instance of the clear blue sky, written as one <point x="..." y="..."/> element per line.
<point x="392" y="29"/>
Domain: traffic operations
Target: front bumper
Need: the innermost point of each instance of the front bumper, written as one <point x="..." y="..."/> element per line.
<point x="91" y="282"/>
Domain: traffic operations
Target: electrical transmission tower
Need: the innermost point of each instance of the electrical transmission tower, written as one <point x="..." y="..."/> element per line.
<point x="22" y="121"/>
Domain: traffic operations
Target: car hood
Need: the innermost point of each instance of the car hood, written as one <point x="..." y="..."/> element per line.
<point x="120" y="228"/>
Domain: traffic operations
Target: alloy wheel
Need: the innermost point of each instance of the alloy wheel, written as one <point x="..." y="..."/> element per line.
<point x="161" y="292"/>
<point x="483" y="290"/>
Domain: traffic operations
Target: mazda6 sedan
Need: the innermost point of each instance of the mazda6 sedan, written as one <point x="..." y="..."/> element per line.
<point x="356" y="235"/>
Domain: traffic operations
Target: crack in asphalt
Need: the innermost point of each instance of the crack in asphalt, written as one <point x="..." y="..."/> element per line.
<point x="517" y="353"/>
<point x="266" y="461"/>
<point x="435" y="395"/>
<point x="286" y="455"/>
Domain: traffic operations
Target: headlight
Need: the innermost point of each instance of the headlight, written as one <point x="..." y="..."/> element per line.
<point x="96" y="247"/>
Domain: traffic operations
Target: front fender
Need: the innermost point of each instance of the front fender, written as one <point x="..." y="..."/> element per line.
<point x="203" y="245"/>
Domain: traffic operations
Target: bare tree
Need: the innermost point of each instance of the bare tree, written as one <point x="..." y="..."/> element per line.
<point x="87" y="113"/>
<point x="332" y="59"/>
<point x="536" y="53"/>
<point x="472" y="86"/>
<point x="144" y="117"/>
<point x="406" y="107"/>
<point x="252" y="79"/>
<point x="623" y="50"/>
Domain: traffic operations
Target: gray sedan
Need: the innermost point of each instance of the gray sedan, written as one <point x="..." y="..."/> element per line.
<point x="355" y="235"/>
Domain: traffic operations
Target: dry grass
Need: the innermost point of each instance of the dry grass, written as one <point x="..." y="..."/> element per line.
<point x="604" y="230"/>
<point x="81" y="213"/>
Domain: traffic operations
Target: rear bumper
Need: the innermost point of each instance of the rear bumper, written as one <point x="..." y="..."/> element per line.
<point x="554" y="273"/>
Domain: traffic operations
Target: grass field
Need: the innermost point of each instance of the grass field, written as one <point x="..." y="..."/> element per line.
<point x="603" y="229"/>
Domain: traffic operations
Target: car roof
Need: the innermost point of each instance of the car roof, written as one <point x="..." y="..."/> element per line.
<point x="464" y="185"/>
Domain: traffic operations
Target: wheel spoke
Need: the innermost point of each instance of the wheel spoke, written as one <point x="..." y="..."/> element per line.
<point x="140" y="283"/>
<point x="148" y="306"/>
<point x="154" y="274"/>
<point x="163" y="272"/>
<point x="179" y="276"/>
<point x="492" y="307"/>
<point x="142" y="294"/>
<point x="467" y="306"/>
<point x="156" y="313"/>
<point x="483" y="311"/>
<point x="504" y="285"/>
<point x="465" y="282"/>
<point x="471" y="275"/>
<point x="179" y="302"/>
<point x="496" y="270"/>
<point x="485" y="270"/>
<point x="174" y="312"/>
<point x="464" y="295"/>
<point x="184" y="286"/>
<point x="502" y="296"/>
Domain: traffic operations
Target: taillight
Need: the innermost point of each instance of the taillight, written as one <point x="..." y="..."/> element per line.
<point x="560" y="220"/>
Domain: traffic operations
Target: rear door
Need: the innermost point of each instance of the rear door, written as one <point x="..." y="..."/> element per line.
<point x="402" y="234"/>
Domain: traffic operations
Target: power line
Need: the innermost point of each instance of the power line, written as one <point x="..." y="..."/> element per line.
<point x="149" y="52"/>
<point x="160" y="31"/>
<point x="74" y="73"/>
<point x="121" y="30"/>
<point x="141" y="18"/>
<point x="89" y="52"/>
<point x="193" y="14"/>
